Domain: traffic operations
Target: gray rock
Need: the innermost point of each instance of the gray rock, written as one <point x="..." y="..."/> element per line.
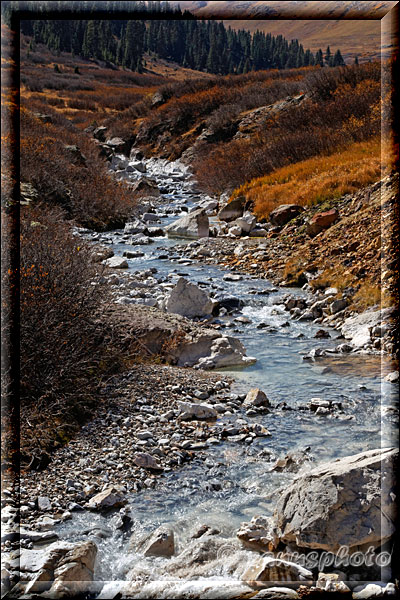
<point x="346" y="502"/>
<point x="233" y="210"/>
<point x="134" y="226"/>
<point x="357" y="329"/>
<point x="338" y="305"/>
<point x="161" y="543"/>
<point x="44" y="503"/>
<point x="259" y="534"/>
<point x="277" y="593"/>
<point x="392" y="377"/>
<point x="146" y="461"/>
<point x="188" y="300"/>
<point x="268" y="568"/>
<point x="193" y="226"/>
<point x="100" y="133"/>
<point x="191" y="410"/>
<point x="116" y="262"/>
<point x="256" y="397"/>
<point x="111" y="497"/>
<point x="246" y="222"/>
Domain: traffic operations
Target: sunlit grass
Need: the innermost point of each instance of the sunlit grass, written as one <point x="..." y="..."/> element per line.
<point x="316" y="180"/>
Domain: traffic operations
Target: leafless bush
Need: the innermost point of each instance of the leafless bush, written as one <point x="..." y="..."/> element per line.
<point x="64" y="350"/>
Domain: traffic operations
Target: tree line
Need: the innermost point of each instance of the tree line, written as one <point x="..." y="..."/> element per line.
<point x="197" y="44"/>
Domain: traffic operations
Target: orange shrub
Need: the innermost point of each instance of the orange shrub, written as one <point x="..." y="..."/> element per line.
<point x="315" y="180"/>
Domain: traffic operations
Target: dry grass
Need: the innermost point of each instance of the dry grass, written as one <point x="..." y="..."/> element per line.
<point x="315" y="180"/>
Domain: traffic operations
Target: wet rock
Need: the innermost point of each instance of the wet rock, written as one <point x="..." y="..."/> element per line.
<point x="285" y="213"/>
<point x="194" y="225"/>
<point x="256" y="397"/>
<point x="188" y="300"/>
<point x="272" y="569"/>
<point x="322" y="333"/>
<point x="307" y="511"/>
<point x="134" y="226"/>
<point x="112" y="497"/>
<point x="140" y="240"/>
<point x="259" y="534"/>
<point x="321" y="221"/>
<point x="233" y="210"/>
<point x="65" y="568"/>
<point x="161" y="543"/>
<point x="116" y="262"/>
<point x="196" y="411"/>
<point x="232" y="277"/>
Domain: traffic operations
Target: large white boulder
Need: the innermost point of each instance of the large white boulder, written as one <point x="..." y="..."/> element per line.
<point x="210" y="350"/>
<point x="188" y="300"/>
<point x="247" y="222"/>
<point x="194" y="225"/>
<point x="190" y="410"/>
<point x="225" y="352"/>
<point x="348" y="502"/>
<point x="116" y="262"/>
<point x="358" y="329"/>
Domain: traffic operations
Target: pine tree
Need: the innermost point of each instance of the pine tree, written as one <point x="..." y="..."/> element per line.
<point x="356" y="60"/>
<point x="319" y="60"/>
<point x="338" y="59"/>
<point x="328" y="55"/>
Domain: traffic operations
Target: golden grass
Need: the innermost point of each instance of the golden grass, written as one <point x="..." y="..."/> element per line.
<point x="317" y="179"/>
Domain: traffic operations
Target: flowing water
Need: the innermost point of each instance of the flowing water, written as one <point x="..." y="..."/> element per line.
<point x="234" y="483"/>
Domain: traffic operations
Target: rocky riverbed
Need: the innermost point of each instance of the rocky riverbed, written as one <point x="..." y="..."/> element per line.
<point x="182" y="485"/>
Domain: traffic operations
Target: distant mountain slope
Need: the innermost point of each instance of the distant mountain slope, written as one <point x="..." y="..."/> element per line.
<point x="345" y="26"/>
<point x="291" y="9"/>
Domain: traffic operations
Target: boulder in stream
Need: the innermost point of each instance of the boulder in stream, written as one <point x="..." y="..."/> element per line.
<point x="256" y="397"/>
<point x="347" y="502"/>
<point x="194" y="225"/>
<point x="188" y="300"/>
<point x="65" y="569"/>
<point x="160" y="543"/>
